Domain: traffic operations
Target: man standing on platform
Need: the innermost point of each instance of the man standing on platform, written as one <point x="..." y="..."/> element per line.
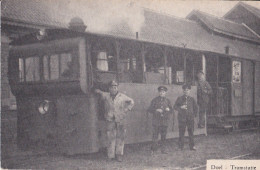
<point x="204" y="92"/>
<point x="116" y="105"/>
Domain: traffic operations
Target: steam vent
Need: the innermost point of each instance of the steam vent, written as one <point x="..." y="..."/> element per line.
<point x="77" y="24"/>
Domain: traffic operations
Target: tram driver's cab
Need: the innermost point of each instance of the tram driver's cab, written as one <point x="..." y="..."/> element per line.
<point x="48" y="66"/>
<point x="50" y="78"/>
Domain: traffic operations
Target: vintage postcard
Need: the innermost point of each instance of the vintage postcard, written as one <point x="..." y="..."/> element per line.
<point x="127" y="84"/>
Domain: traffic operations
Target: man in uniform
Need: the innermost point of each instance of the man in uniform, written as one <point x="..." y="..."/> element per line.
<point x="187" y="110"/>
<point x="116" y="105"/>
<point x="204" y="91"/>
<point x="160" y="108"/>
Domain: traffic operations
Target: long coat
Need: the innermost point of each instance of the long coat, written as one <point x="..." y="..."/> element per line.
<point x="160" y="119"/>
<point x="204" y="91"/>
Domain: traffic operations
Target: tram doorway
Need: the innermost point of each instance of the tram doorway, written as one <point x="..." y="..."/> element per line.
<point x="218" y="74"/>
<point x="232" y="82"/>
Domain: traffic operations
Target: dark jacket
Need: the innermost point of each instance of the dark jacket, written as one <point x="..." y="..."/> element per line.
<point x="160" y="119"/>
<point x="204" y="92"/>
<point x="189" y="113"/>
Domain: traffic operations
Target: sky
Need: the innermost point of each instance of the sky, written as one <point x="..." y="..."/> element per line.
<point x="101" y="15"/>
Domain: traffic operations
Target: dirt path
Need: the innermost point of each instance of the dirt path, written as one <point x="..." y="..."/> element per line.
<point x="137" y="156"/>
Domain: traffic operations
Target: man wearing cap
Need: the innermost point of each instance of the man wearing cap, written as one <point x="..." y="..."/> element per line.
<point x="187" y="110"/>
<point x="116" y="105"/>
<point x="160" y="108"/>
<point x="204" y="91"/>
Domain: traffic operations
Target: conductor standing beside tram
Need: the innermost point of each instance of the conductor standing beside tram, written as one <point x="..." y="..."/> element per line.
<point x="160" y="108"/>
<point x="187" y="110"/>
<point x="116" y="105"/>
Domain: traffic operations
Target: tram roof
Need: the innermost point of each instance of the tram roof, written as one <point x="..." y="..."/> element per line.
<point x="173" y="31"/>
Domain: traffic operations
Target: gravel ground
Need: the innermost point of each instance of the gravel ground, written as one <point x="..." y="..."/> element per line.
<point x="138" y="156"/>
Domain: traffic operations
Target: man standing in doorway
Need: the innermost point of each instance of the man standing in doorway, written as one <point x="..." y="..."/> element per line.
<point x="204" y="92"/>
<point x="116" y="105"/>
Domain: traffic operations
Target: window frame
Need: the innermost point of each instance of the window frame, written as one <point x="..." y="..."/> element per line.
<point x="24" y="69"/>
<point x="41" y="67"/>
<point x="107" y="60"/>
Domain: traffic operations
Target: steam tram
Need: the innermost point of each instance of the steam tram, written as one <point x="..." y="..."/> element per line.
<point x="53" y="77"/>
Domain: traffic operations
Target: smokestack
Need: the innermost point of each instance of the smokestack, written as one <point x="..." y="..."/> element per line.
<point x="136" y="35"/>
<point x="227" y="49"/>
<point x="77" y="24"/>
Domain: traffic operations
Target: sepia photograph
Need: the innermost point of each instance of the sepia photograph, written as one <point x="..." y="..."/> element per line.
<point x="128" y="84"/>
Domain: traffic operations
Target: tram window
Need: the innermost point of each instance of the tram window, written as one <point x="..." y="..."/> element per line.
<point x="32" y="71"/>
<point x="124" y="65"/>
<point x="21" y="70"/>
<point x="46" y="67"/>
<point x="134" y="63"/>
<point x="128" y="64"/>
<point x="154" y="68"/>
<point x="58" y="66"/>
<point x="176" y="61"/>
<point x="112" y="66"/>
<point x="193" y="66"/>
<point x="129" y="71"/>
<point x="154" y="64"/>
<point x="54" y="67"/>
<point x="105" y="62"/>
<point x="66" y="65"/>
<point x="102" y="61"/>
<point x="179" y="76"/>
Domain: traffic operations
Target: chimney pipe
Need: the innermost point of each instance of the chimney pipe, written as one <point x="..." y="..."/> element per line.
<point x="136" y="35"/>
<point x="227" y="49"/>
<point x="77" y="24"/>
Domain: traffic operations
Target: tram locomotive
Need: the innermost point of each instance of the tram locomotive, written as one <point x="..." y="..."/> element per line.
<point x="54" y="76"/>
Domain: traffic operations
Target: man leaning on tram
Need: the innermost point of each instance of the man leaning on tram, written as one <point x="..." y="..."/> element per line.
<point x="116" y="105"/>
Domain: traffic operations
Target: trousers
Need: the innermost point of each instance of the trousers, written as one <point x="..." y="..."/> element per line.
<point x="202" y="112"/>
<point x="182" y="128"/>
<point x="162" y="130"/>
<point x="116" y="139"/>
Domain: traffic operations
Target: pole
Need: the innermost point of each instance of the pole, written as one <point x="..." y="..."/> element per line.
<point x="117" y="43"/>
<point x="143" y="62"/>
<point x="165" y="65"/>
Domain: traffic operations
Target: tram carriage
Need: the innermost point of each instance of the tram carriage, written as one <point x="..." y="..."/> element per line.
<point x="53" y="77"/>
